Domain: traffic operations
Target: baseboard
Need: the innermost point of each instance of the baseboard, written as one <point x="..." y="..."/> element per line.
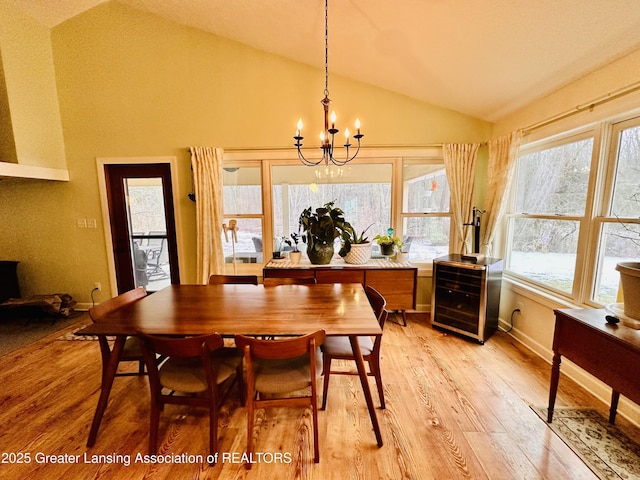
<point x="626" y="408"/>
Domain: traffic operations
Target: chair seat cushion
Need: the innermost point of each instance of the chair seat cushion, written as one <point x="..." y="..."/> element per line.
<point x="341" y="346"/>
<point x="283" y="376"/>
<point x="132" y="348"/>
<point x="187" y="374"/>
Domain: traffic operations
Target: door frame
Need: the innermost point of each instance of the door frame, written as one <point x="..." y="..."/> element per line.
<point x="104" y="204"/>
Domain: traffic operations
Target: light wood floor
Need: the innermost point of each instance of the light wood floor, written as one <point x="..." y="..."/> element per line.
<point x="455" y="409"/>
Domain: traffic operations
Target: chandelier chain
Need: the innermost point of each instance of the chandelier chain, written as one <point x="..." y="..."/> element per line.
<point x="326" y="49"/>
<point x="327" y="136"/>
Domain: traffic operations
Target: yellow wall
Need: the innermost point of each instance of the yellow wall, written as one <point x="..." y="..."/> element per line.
<point x="131" y="84"/>
<point x="31" y="97"/>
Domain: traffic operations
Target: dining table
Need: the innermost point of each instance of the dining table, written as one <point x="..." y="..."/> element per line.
<point x="340" y="309"/>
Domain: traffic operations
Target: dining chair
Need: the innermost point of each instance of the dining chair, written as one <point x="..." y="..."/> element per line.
<point x="275" y="369"/>
<point x="197" y="367"/>
<point x="275" y="281"/>
<point x="339" y="348"/>
<point x="238" y="279"/>
<point x="131" y="351"/>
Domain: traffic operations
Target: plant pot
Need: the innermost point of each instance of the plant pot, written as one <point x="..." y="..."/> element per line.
<point x="387" y="249"/>
<point x="294" y="257"/>
<point x="402" y="257"/>
<point x="321" y="256"/>
<point x="630" y="280"/>
<point x="359" y="254"/>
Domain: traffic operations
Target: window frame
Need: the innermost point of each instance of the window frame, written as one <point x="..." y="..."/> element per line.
<point x="278" y="157"/>
<point x="588" y="266"/>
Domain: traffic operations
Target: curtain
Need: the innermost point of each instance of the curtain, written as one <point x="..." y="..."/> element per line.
<point x="460" y="165"/>
<point x="500" y="168"/>
<point x="206" y="163"/>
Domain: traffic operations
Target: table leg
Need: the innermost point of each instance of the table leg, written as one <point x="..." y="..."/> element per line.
<point x="615" y="396"/>
<point x="109" y="373"/>
<point x="553" y="389"/>
<point x="362" y="372"/>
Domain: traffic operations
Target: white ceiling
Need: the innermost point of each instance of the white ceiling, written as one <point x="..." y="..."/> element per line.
<point x="484" y="58"/>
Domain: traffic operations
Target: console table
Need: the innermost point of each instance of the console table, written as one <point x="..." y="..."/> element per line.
<point x="609" y="352"/>
<point x="396" y="282"/>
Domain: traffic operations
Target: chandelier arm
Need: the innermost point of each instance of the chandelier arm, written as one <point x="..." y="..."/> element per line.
<point x="306" y="161"/>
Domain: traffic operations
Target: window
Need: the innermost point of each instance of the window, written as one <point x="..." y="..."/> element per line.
<point x="619" y="229"/>
<point x="550" y="203"/>
<point x="575" y="210"/>
<point x="378" y="191"/>
<point x="426" y="212"/>
<point x="242" y="194"/>
<point x="362" y="191"/>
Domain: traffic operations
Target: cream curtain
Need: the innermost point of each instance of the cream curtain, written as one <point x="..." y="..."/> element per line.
<point x="206" y="163"/>
<point x="500" y="168"/>
<point x="460" y="164"/>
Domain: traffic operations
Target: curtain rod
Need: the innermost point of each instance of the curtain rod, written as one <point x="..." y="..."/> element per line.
<point x="585" y="106"/>
<point x="368" y="147"/>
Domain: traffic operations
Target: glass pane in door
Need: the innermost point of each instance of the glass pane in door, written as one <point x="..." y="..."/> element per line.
<point x="147" y="224"/>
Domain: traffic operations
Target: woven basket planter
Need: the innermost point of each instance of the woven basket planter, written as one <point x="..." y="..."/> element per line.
<point x="359" y="254"/>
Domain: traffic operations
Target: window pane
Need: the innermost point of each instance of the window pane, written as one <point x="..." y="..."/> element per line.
<point x="426" y="238"/>
<point x="618" y="243"/>
<point x="626" y="192"/>
<point x="545" y="251"/>
<point x="555" y="180"/>
<point x="362" y="191"/>
<point x="248" y="247"/>
<point x="426" y="189"/>
<point x="242" y="190"/>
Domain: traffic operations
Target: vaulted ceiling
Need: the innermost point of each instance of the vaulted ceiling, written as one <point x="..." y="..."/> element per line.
<point x="484" y="58"/>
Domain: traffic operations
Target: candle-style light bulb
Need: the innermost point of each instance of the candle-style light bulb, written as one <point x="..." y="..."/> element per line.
<point x="321" y="137"/>
<point x="333" y="119"/>
<point x="358" y="125"/>
<point x="346" y="134"/>
<point x="299" y="128"/>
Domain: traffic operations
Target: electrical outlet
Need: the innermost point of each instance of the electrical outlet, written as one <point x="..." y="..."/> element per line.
<point x="520" y="306"/>
<point x="97" y="286"/>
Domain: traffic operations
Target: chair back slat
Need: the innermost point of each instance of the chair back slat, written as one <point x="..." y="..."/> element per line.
<point x="96" y="313"/>
<point x="235" y="279"/>
<point x="378" y="303"/>
<point x="280" y="349"/>
<point x="181" y="347"/>
<point x="275" y="281"/>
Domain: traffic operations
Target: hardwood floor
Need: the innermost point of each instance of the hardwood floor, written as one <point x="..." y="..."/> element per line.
<point x="455" y="409"/>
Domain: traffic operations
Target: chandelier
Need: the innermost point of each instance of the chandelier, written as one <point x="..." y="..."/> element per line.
<point x="327" y="136"/>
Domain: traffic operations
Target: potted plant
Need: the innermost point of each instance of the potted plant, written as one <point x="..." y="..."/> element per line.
<point x="356" y="249"/>
<point x="320" y="229"/>
<point x="295" y="254"/>
<point x="388" y="243"/>
<point x="630" y="275"/>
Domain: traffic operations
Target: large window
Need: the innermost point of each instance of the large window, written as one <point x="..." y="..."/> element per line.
<point x="550" y="203"/>
<point x="426" y="212"/>
<point x="574" y="211"/>
<point x="362" y="191"/>
<point x="619" y="222"/>
<point x="266" y="192"/>
<point x="243" y="204"/>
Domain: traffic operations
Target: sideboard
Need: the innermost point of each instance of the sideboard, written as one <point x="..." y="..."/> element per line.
<point x="396" y="282"/>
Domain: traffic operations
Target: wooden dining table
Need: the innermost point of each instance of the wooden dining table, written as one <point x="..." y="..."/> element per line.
<point x="285" y="310"/>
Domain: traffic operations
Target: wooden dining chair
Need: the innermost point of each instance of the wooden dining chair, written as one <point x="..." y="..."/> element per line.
<point x="275" y="281"/>
<point x="275" y="368"/>
<point x="238" y="279"/>
<point x="131" y="351"/>
<point x="197" y="367"/>
<point x="339" y="348"/>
